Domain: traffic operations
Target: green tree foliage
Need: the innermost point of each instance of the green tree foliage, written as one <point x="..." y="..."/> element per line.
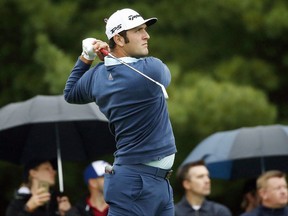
<point x="208" y="106"/>
<point x="55" y="64"/>
<point x="244" y="39"/>
<point x="251" y="72"/>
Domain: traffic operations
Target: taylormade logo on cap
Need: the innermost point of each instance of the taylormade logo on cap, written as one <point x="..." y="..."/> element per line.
<point x="125" y="19"/>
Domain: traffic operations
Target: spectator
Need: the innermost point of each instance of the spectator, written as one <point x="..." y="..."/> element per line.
<point x="272" y="190"/>
<point x="93" y="204"/>
<point x="36" y="197"/>
<point x="250" y="197"/>
<point x="195" y="181"/>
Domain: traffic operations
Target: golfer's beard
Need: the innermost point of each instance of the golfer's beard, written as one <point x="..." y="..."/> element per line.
<point x="139" y="56"/>
<point x="142" y="54"/>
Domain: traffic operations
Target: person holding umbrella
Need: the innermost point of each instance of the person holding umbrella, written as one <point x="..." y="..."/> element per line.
<point x="35" y="196"/>
<point x="136" y="108"/>
<point x="194" y="178"/>
<point x="250" y="197"/>
<point x="92" y="204"/>
<point x="273" y="193"/>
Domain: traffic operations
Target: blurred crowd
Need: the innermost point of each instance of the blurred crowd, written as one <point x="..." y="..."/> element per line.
<point x="37" y="195"/>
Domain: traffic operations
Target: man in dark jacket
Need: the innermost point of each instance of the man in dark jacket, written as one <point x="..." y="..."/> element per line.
<point x="195" y="180"/>
<point x="272" y="189"/>
<point x="93" y="204"/>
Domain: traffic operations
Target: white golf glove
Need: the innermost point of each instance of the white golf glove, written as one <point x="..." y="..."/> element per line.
<point x="87" y="46"/>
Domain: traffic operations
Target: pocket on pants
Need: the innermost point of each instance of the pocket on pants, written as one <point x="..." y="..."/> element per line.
<point x="136" y="187"/>
<point x="122" y="187"/>
<point x="107" y="178"/>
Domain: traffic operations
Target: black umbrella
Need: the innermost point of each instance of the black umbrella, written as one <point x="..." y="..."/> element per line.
<point x="245" y="152"/>
<point x="47" y="127"/>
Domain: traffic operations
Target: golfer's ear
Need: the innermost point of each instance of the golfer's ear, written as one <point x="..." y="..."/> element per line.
<point x="119" y="40"/>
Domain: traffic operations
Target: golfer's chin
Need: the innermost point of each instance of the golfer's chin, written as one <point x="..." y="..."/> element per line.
<point x="144" y="52"/>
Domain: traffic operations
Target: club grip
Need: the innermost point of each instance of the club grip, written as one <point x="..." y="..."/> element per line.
<point x="104" y="52"/>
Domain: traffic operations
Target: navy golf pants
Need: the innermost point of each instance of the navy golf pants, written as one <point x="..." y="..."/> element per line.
<point x="131" y="191"/>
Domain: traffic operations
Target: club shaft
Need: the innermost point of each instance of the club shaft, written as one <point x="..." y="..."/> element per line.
<point x="134" y="69"/>
<point x="106" y="53"/>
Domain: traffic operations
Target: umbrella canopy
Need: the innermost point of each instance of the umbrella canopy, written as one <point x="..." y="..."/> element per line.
<point x="43" y="125"/>
<point x="244" y="152"/>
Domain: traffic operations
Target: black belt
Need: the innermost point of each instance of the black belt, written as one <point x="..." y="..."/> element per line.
<point x="155" y="171"/>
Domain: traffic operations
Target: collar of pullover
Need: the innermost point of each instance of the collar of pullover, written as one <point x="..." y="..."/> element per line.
<point x="108" y="61"/>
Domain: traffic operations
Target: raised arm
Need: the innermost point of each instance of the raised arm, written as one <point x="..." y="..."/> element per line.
<point x="76" y="88"/>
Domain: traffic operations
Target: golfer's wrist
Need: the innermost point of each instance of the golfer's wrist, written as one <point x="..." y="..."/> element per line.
<point x="85" y="60"/>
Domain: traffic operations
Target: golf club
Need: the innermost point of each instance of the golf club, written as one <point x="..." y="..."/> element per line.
<point x="106" y="53"/>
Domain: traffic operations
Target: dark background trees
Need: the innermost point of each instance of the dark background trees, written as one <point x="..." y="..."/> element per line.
<point x="228" y="60"/>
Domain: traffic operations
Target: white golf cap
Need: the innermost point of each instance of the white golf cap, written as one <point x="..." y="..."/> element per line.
<point x="125" y="19"/>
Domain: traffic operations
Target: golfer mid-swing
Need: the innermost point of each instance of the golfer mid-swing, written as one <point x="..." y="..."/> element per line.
<point x="137" y="112"/>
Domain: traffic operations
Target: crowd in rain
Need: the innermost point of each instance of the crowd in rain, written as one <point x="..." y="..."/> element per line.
<point x="37" y="195"/>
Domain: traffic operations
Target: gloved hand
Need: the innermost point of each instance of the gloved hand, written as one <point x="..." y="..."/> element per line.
<point x="87" y="46"/>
